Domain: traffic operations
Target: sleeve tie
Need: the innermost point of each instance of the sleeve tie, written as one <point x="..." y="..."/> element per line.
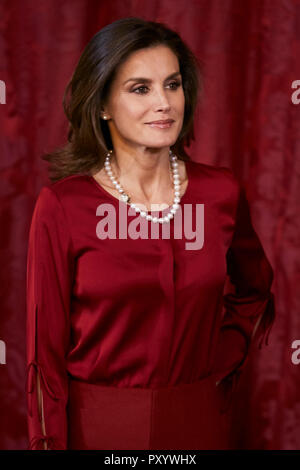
<point x="229" y="385"/>
<point x="53" y="443"/>
<point x="31" y="382"/>
<point x="267" y="321"/>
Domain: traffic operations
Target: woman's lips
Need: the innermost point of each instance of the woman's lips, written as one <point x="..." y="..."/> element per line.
<point x="161" y="125"/>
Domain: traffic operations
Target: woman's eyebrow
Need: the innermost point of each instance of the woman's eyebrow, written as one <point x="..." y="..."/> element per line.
<point x="148" y="80"/>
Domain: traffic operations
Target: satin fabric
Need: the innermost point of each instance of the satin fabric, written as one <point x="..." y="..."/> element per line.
<point x="141" y="313"/>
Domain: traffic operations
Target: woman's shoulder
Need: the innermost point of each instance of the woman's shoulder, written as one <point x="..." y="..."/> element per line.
<point x="207" y="169"/>
<point x="69" y="183"/>
<point x="220" y="178"/>
<point x="62" y="195"/>
<point x="65" y="188"/>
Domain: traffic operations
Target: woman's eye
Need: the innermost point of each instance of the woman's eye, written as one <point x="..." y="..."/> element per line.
<point x="177" y="84"/>
<point x="140" y="88"/>
<point x="173" y="86"/>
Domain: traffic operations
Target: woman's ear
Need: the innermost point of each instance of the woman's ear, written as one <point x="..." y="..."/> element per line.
<point x="104" y="116"/>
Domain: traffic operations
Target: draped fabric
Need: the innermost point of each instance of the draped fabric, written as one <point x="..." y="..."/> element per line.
<point x="246" y="121"/>
<point x="136" y="313"/>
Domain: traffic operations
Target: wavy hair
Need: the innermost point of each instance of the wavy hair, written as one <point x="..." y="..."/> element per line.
<point x="88" y="135"/>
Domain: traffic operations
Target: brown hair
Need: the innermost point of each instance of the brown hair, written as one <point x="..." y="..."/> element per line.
<point x="88" y="136"/>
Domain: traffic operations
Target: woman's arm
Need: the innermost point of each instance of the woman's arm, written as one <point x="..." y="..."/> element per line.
<point x="41" y="408"/>
<point x="249" y="309"/>
<point x="49" y="280"/>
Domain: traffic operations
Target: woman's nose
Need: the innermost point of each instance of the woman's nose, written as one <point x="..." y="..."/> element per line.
<point x="162" y="101"/>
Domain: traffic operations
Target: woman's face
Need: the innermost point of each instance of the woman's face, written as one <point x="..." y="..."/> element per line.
<point x="147" y="87"/>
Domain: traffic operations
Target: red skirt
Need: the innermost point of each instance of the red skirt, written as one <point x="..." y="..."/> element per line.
<point x="186" y="417"/>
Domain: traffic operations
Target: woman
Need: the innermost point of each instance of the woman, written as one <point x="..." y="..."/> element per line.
<point x="127" y="347"/>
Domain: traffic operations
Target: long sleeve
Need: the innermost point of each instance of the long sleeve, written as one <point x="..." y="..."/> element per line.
<point x="49" y="279"/>
<point x="250" y="309"/>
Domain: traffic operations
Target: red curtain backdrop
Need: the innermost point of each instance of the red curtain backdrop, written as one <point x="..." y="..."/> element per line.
<point x="247" y="121"/>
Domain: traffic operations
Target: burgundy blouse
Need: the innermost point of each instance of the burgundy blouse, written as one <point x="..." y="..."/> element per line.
<point x="134" y="312"/>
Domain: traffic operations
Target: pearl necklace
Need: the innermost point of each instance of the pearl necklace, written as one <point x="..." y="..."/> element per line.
<point x="126" y="198"/>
